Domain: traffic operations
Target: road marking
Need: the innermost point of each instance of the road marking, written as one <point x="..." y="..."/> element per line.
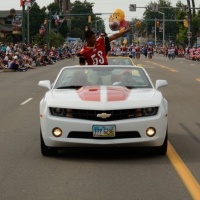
<point x="192" y="64"/>
<point x="162" y="66"/>
<point x="26" y="101"/>
<point x="198" y="79"/>
<point x="188" y="179"/>
<point x="140" y="65"/>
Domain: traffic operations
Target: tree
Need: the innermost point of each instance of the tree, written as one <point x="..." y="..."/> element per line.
<point x="55" y="40"/>
<point x="81" y="21"/>
<point x="9" y="38"/>
<point x="37" y="17"/>
<point x="77" y="33"/>
<point x="39" y="40"/>
<point x="170" y="27"/>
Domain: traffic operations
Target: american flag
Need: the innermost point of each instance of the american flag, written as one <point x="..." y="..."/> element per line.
<point x="29" y="3"/>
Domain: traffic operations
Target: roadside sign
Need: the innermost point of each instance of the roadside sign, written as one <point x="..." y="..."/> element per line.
<point x="132" y="7"/>
<point x="189" y="34"/>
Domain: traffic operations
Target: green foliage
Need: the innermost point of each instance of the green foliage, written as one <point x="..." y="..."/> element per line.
<point x="39" y="40"/>
<point x="77" y="33"/>
<point x="170" y="27"/>
<point x="9" y="38"/>
<point x="55" y="40"/>
<point x="36" y="18"/>
<point x="81" y="21"/>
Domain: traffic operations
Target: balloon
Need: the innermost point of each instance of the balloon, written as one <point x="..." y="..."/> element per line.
<point x="117" y="21"/>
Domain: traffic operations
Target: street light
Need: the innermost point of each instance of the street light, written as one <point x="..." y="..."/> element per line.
<point x="163" y="27"/>
<point x="47" y="28"/>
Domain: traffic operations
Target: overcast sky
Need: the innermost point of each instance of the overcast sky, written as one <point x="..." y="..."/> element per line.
<point x="100" y="6"/>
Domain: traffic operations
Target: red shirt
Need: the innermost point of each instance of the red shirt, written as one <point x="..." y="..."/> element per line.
<point x="95" y="55"/>
<point x="150" y="49"/>
<point x="137" y="49"/>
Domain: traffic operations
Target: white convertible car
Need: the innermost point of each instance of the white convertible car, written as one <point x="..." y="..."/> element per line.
<point x="103" y="106"/>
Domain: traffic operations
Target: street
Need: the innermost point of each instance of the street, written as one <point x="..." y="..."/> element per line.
<point x="100" y="174"/>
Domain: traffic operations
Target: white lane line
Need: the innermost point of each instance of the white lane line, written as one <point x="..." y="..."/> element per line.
<point x="26" y="101"/>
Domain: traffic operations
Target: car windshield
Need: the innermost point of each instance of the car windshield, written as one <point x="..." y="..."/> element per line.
<point x="119" y="61"/>
<point x="76" y="77"/>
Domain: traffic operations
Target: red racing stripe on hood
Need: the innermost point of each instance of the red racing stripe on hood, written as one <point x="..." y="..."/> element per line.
<point x="89" y="93"/>
<point x="117" y="93"/>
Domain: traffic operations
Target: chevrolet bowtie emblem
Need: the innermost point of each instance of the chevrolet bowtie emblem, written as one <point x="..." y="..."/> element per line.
<point x="103" y="115"/>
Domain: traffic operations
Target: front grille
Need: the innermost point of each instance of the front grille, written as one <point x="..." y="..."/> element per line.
<point x="118" y="135"/>
<point x="115" y="114"/>
<point x="92" y="114"/>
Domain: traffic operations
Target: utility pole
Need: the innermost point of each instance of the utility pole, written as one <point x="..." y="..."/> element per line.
<point x="23" y="23"/>
<point x="155" y="31"/>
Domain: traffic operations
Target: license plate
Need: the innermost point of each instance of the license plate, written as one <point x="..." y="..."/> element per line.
<point x="104" y="131"/>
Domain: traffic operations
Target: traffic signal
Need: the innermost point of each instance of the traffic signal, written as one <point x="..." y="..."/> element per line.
<point x="185" y="22"/>
<point x="45" y="21"/>
<point x="89" y="19"/>
<point x="138" y="23"/>
<point x="157" y="24"/>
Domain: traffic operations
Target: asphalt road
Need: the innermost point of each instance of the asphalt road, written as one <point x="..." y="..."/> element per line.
<point x="98" y="174"/>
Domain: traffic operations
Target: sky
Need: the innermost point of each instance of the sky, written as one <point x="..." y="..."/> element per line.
<point x="100" y="6"/>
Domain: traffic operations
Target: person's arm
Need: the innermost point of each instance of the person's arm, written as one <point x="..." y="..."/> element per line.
<point x="118" y="35"/>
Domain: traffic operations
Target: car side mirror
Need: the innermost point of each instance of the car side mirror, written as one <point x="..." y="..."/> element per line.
<point x="161" y="83"/>
<point x="45" y="83"/>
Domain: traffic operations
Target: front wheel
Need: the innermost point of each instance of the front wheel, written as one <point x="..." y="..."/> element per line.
<point x="45" y="150"/>
<point x="162" y="150"/>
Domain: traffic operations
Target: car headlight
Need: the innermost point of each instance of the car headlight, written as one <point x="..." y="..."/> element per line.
<point x="150" y="111"/>
<point x="58" y="112"/>
<point x="62" y="112"/>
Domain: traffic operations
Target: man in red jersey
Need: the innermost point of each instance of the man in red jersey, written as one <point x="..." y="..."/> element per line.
<point x="94" y="51"/>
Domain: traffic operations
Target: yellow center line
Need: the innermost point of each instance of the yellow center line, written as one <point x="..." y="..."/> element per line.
<point x="190" y="182"/>
<point x="162" y="66"/>
<point x="198" y="79"/>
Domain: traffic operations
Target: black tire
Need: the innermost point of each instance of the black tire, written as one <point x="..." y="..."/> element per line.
<point x="45" y="150"/>
<point x="161" y="150"/>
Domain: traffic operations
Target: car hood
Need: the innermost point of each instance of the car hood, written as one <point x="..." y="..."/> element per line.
<point x="103" y="97"/>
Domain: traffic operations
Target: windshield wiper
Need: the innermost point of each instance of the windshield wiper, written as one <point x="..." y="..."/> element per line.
<point x="69" y="87"/>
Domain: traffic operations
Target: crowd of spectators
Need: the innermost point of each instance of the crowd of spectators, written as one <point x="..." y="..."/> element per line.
<point x="21" y="57"/>
<point x="191" y="53"/>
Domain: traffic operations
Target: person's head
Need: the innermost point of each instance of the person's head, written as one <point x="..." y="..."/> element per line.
<point x="90" y="37"/>
<point x="15" y="58"/>
<point x="127" y="75"/>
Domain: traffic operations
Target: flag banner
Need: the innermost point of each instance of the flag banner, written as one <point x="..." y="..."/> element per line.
<point x="17" y="24"/>
<point x="55" y="16"/>
<point x="61" y="20"/>
<point x="153" y="29"/>
<point x="42" y="30"/>
<point x="21" y="2"/>
<point x="29" y="3"/>
<point x="161" y="27"/>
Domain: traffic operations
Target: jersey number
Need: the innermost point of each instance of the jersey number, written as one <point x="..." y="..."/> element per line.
<point x="97" y="58"/>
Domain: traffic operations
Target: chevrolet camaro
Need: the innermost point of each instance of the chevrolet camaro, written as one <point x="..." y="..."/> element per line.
<point x="103" y="106"/>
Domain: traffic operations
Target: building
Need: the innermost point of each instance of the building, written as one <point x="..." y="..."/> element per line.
<point x="10" y="24"/>
<point x="64" y="5"/>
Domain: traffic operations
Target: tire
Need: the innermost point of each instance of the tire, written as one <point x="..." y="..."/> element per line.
<point x="45" y="150"/>
<point x="161" y="150"/>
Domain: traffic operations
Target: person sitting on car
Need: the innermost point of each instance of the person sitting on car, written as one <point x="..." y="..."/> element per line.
<point x="127" y="79"/>
<point x="79" y="78"/>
